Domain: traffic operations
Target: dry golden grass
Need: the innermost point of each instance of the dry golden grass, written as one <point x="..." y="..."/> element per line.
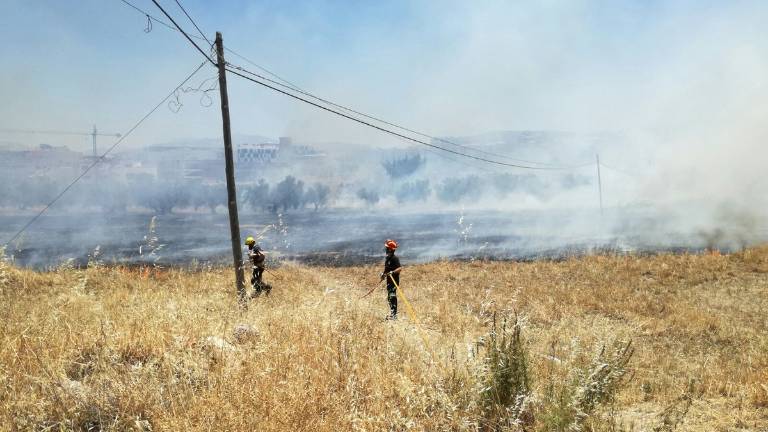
<point x="117" y="349"/>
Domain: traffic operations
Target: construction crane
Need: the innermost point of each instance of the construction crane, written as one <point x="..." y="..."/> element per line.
<point x="93" y="134"/>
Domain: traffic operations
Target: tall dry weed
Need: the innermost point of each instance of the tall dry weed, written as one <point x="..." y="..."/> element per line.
<point x="506" y="381"/>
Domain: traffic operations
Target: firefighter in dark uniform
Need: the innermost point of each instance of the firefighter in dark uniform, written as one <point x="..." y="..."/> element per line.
<point x="257" y="258"/>
<point x="391" y="273"/>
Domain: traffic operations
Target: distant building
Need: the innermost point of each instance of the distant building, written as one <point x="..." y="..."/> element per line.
<point x="257" y="153"/>
<point x="47" y="160"/>
<point x="283" y="151"/>
<point x="185" y="162"/>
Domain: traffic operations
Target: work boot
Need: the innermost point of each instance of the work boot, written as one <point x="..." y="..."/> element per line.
<point x="257" y="288"/>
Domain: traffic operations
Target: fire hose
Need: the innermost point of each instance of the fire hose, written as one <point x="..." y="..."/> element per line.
<point x="411" y="312"/>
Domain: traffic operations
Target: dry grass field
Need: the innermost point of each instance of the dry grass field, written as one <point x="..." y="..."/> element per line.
<point x="605" y="343"/>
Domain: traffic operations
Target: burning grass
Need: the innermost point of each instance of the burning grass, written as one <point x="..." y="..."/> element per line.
<point x="670" y="342"/>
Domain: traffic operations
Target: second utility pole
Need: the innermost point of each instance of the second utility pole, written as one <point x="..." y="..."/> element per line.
<point x="234" y="222"/>
<point x="599" y="182"/>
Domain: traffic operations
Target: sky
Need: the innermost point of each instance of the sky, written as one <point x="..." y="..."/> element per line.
<point x="448" y="68"/>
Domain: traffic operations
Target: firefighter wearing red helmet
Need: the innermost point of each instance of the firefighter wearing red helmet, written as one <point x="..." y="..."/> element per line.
<point x="391" y="273"/>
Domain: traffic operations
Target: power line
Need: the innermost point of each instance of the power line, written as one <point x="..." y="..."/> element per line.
<point x="385" y="130"/>
<point x="229" y="50"/>
<point x="551" y="166"/>
<point x="193" y="23"/>
<point x="287" y="84"/>
<point x="184" y="33"/>
<point x="101" y="158"/>
<point x="339" y="113"/>
<point x="620" y="171"/>
<point x="459" y="161"/>
<point x="148" y="15"/>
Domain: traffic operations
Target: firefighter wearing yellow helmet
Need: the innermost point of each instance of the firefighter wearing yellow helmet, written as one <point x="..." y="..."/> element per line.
<point x="257" y="258"/>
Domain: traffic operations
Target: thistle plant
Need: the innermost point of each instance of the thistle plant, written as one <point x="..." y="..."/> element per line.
<point x="506" y="381"/>
<point x="463" y="229"/>
<point x="600" y="382"/>
<point x="151" y="245"/>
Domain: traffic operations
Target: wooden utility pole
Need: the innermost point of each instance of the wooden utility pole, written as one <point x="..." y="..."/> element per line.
<point x="93" y="135"/>
<point x="599" y="183"/>
<point x="234" y="222"/>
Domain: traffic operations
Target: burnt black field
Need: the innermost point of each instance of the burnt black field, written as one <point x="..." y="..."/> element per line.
<point x="338" y="238"/>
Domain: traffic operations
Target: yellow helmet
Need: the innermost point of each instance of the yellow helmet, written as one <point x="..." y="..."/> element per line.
<point x="250" y="240"/>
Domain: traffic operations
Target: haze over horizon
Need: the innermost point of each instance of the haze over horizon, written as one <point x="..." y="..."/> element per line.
<point x="684" y="85"/>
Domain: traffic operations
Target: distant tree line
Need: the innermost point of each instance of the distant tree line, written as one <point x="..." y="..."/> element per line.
<point x="460" y="189"/>
<point x="113" y="196"/>
<point x="404" y="166"/>
<point x="369" y="196"/>
<point x="289" y="194"/>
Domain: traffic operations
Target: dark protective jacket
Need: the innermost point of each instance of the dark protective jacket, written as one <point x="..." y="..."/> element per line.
<point x="256" y="257"/>
<point x="392" y="263"/>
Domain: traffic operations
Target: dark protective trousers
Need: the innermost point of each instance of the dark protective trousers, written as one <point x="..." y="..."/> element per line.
<point x="256" y="282"/>
<point x="256" y="277"/>
<point x="392" y="298"/>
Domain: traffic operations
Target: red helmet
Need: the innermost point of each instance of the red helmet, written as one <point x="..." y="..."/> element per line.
<point x="390" y="244"/>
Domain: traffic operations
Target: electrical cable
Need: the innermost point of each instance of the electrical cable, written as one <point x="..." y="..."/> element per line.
<point x="294" y="87"/>
<point x="620" y="171"/>
<point x="101" y="158"/>
<point x="148" y="28"/>
<point x="385" y="130"/>
<point x="333" y="111"/>
<point x="470" y="164"/>
<point x="184" y="33"/>
<point x="229" y="50"/>
<point x="287" y="83"/>
<point x="443" y="140"/>
<point x="193" y="23"/>
<point x="143" y="12"/>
